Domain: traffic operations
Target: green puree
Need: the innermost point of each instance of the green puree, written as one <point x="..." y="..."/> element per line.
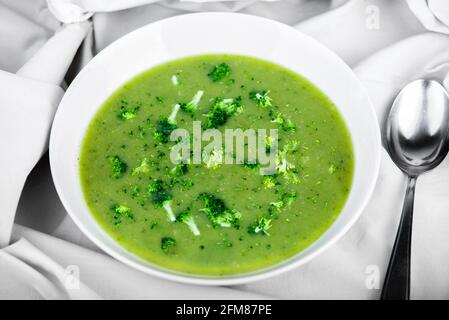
<point x="246" y="221"/>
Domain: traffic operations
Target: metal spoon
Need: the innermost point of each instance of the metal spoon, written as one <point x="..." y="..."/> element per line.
<point x="417" y="139"/>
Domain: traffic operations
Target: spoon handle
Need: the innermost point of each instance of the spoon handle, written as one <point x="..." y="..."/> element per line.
<point x="397" y="280"/>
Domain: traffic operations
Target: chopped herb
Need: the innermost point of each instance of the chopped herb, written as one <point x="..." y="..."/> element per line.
<point x="141" y="198"/>
<point x="227" y="243"/>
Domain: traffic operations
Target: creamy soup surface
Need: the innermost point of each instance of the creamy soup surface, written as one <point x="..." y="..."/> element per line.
<point x="213" y="218"/>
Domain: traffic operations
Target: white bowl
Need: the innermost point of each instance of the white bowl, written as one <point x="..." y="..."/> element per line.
<point x="203" y="33"/>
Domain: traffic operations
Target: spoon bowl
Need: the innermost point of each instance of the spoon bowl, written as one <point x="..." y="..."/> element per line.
<point x="418" y="126"/>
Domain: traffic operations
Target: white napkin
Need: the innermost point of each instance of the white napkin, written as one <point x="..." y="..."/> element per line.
<point x="29" y="100"/>
<point x="69" y="11"/>
<point x="433" y="14"/>
<point x="64" y="269"/>
<point x="354" y="267"/>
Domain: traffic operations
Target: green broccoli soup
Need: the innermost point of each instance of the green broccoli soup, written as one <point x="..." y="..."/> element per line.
<point x="198" y="214"/>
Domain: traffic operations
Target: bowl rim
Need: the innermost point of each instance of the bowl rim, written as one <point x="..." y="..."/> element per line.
<point x="233" y="279"/>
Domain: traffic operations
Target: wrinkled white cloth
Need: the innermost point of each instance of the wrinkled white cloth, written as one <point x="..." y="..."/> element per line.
<point x="29" y="100"/>
<point x="69" y="11"/>
<point x="386" y="44"/>
<point x="433" y="14"/>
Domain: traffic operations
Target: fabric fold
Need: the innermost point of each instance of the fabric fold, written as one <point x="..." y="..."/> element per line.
<point x="68" y="271"/>
<point x="29" y="101"/>
<point x="48" y="278"/>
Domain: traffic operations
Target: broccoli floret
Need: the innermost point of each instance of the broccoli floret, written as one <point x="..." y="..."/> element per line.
<point x="291" y="146"/>
<point x="167" y="243"/>
<point x="228" y="218"/>
<point x="192" y="106"/>
<point x="161" y="197"/>
<point x="218" y="213"/>
<point x="118" y="167"/>
<point x="143" y="167"/>
<point x="187" y="218"/>
<point x="119" y="212"/>
<point x="292" y="177"/>
<point x="279" y="119"/>
<point x="221" y="110"/>
<point x="127" y="113"/>
<point x="163" y="130"/>
<point x="180" y="169"/>
<point x="287" y="169"/>
<point x="219" y="72"/>
<point x="269" y="182"/>
<point x="165" y="126"/>
<point x="278" y="205"/>
<point x="174" y="80"/>
<point x="288" y="125"/>
<point x="185" y="184"/>
<point x="282" y="165"/>
<point x="289" y="197"/>
<point x="269" y="143"/>
<point x="155" y="186"/>
<point x="262" y="99"/>
<point x="216" y="117"/>
<point x="260" y="226"/>
<point x="231" y="106"/>
<point x="212" y="203"/>
<point x="213" y="159"/>
<point x="285" y="200"/>
<point x="252" y="166"/>
<point x="285" y="123"/>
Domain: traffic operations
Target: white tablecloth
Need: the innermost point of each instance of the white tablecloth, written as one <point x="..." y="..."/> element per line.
<point x="386" y="44"/>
